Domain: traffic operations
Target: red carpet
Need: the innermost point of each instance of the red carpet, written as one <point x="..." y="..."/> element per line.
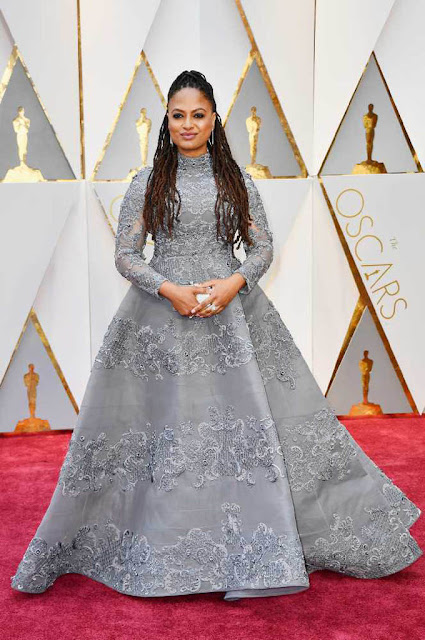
<point x="334" y="608"/>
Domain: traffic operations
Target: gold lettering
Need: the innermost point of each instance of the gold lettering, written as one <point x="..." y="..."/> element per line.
<point x="364" y="238"/>
<point x="395" y="303"/>
<point x="353" y="215"/>
<point x="377" y="270"/>
<point x="386" y="287"/>
<point x="354" y="235"/>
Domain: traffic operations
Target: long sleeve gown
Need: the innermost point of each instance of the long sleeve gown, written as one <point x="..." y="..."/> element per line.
<point x="205" y="457"/>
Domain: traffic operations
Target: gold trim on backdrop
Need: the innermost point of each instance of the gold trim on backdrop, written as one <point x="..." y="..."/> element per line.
<point x="141" y="58"/>
<point x="8" y="71"/>
<point x="342" y="120"/>
<point x="15" y="349"/>
<point x="15" y="55"/>
<point x="111" y="205"/>
<point x="255" y="54"/>
<point x="241" y="80"/>
<point x="412" y="150"/>
<point x="34" y="319"/>
<point x="355" y="320"/>
<point x="367" y="301"/>
<point x="154" y="80"/>
<point x="403" y="128"/>
<point x="81" y="96"/>
<point x="52" y="357"/>
<point x="108" y="221"/>
<point x="103" y="209"/>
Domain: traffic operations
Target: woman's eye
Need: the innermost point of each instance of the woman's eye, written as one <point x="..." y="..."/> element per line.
<point x="177" y="115"/>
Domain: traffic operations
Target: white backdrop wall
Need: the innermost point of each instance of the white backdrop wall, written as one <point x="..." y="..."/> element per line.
<point x="349" y="266"/>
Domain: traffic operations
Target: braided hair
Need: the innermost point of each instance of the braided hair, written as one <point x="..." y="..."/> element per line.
<point x="161" y="198"/>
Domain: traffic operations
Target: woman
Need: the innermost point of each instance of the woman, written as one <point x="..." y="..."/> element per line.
<point x="205" y="457"/>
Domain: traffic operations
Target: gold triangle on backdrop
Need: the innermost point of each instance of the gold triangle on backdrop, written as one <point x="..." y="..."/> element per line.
<point x="414" y="156"/>
<point x="289" y="152"/>
<point x="142" y="59"/>
<point x="355" y="319"/>
<point x="366" y="383"/>
<point x="32" y="316"/>
<point x="255" y="56"/>
<point x="15" y="63"/>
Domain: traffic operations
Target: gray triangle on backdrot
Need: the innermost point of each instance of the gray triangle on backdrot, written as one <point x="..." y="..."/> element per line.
<point x="123" y="152"/>
<point x="52" y="401"/>
<point x="44" y="150"/>
<point x="385" y="388"/>
<point x="390" y="145"/>
<point x="274" y="149"/>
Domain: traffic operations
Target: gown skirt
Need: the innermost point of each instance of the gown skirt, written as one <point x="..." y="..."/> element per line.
<point x="205" y="458"/>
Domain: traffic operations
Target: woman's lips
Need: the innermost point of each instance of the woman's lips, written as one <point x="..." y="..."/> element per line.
<point x="188" y="136"/>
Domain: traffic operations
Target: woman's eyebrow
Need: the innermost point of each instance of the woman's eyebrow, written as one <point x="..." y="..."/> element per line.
<point x="197" y="108"/>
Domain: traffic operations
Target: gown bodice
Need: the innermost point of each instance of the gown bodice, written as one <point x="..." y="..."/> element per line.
<point x="193" y="253"/>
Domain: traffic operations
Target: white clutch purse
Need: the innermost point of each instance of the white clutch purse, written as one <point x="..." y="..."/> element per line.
<point x="202" y="296"/>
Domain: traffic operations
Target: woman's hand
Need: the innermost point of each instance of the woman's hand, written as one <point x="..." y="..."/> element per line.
<point x="222" y="291"/>
<point x="182" y="297"/>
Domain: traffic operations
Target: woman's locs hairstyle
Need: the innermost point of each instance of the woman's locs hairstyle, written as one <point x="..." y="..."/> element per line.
<point x="162" y="199"/>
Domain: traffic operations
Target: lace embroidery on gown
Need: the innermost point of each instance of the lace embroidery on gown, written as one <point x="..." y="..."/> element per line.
<point x="223" y="446"/>
<point x="180" y="412"/>
<point x="129" y="562"/>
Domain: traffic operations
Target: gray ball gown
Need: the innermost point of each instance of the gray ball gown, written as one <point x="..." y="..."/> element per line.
<point x="205" y="457"/>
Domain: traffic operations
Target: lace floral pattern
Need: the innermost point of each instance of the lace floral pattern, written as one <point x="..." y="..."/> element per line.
<point x="149" y="352"/>
<point x="226" y="446"/>
<point x="130" y="239"/>
<point x="193" y="253"/>
<point x="407" y="511"/>
<point x="88" y="462"/>
<point x="381" y="547"/>
<point x="128" y="562"/>
<point x="274" y="346"/>
<point x="319" y="448"/>
<point x="144" y="351"/>
<point x="259" y="255"/>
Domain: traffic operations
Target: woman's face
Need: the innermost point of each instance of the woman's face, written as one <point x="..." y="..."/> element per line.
<point x="190" y="121"/>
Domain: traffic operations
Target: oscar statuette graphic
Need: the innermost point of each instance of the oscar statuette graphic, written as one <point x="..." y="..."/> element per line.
<point x="32" y="423"/>
<point x="365" y="408"/>
<point x="370" y="120"/>
<point x="143" y="127"/>
<point x="22" y="172"/>
<point x="253" y="125"/>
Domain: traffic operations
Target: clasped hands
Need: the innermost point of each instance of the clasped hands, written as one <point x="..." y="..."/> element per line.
<point x="221" y="291"/>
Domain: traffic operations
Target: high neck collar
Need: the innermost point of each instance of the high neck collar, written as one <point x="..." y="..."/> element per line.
<point x="197" y="163"/>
